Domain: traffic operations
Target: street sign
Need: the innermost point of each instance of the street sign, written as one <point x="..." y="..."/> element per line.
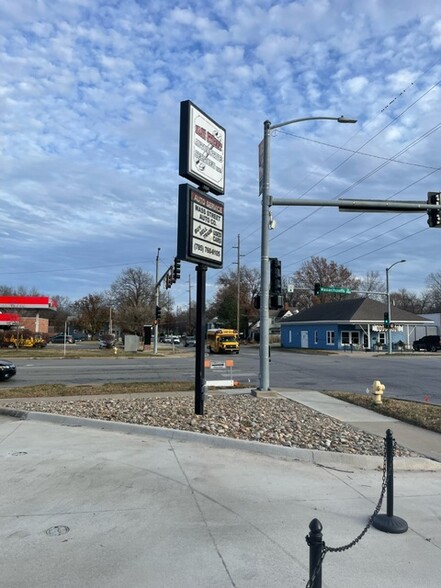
<point x="326" y="289"/>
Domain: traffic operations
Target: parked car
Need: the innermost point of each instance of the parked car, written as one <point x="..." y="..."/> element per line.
<point x="60" y="339"/>
<point x="7" y="370"/>
<point x="190" y="342"/>
<point x="107" y="342"/>
<point x="428" y="343"/>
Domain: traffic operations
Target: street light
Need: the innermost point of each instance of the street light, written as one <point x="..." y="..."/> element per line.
<point x="264" y="248"/>
<point x="389" y="338"/>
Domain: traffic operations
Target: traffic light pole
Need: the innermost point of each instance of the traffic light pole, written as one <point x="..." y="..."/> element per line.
<point x="267" y="201"/>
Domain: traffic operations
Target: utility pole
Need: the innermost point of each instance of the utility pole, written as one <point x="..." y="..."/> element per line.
<point x="238" y="285"/>
<point x="155" y="329"/>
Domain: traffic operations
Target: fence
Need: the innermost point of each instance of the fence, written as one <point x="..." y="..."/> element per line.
<point x="387" y="523"/>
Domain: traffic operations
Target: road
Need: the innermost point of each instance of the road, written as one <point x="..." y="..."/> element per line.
<point x="411" y="377"/>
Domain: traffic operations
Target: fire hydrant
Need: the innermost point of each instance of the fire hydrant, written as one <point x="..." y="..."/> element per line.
<point x="377" y="389"/>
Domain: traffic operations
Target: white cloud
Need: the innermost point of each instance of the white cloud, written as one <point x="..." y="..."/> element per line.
<point x="89" y="133"/>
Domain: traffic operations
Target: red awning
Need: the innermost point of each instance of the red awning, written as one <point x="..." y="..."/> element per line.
<point x="28" y="302"/>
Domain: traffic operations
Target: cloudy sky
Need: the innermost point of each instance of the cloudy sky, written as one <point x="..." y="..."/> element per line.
<point x="90" y="94"/>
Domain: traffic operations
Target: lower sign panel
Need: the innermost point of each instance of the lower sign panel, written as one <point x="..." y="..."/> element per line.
<point x="200" y="227"/>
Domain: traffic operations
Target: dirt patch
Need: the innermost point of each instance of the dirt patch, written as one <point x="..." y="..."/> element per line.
<point x="51" y="390"/>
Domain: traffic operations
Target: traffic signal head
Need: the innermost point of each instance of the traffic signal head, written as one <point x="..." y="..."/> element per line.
<point x="168" y="279"/>
<point x="275" y="276"/>
<point x="276" y="302"/>
<point x="256" y="301"/>
<point x="386" y="320"/>
<point x="176" y="269"/>
<point x="317" y="289"/>
<point x="158" y="313"/>
<point x="434" y="214"/>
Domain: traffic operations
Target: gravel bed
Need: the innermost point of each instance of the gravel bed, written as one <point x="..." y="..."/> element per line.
<point x="268" y="420"/>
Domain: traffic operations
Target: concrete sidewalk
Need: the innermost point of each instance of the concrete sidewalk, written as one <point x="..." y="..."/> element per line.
<point x="427" y="443"/>
<point x="92" y="504"/>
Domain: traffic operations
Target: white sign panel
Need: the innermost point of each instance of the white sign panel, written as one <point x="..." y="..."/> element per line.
<point x="202" y="148"/>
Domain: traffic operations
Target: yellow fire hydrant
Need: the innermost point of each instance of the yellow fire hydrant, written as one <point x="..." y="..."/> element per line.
<point x="377" y="389"/>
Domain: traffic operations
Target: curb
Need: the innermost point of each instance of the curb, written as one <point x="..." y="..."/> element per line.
<point x="317" y="457"/>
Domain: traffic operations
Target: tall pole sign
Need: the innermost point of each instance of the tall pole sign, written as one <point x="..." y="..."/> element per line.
<point x="200" y="215"/>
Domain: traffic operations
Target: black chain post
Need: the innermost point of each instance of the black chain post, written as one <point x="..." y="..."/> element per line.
<point x="316" y="553"/>
<point x="388" y="522"/>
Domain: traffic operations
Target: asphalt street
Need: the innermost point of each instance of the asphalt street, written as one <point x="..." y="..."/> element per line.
<point x="411" y="377"/>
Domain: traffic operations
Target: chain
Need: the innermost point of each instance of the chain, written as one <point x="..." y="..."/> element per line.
<point x="325" y="549"/>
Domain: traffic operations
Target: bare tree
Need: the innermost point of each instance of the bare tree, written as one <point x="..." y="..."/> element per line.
<point x="91" y="313"/>
<point x="371" y="284"/>
<point x="433" y="282"/>
<point x="133" y="295"/>
<point x="326" y="273"/>
<point x="224" y="304"/>
<point x="418" y="304"/>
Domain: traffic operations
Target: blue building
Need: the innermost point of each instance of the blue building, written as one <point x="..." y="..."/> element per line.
<point x="356" y="324"/>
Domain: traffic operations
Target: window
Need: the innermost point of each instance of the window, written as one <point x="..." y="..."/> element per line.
<point x="315" y="337"/>
<point x="330" y="338"/>
<point x="350" y="338"/>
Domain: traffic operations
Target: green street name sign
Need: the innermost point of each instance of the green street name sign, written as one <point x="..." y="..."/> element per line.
<point x="326" y="289"/>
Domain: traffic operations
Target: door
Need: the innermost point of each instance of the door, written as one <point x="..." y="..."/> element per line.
<point x="304" y="339"/>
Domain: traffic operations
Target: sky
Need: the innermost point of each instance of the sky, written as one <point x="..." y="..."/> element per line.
<point x="90" y="94"/>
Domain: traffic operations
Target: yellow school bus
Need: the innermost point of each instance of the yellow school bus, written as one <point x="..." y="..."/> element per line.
<point x="223" y="341"/>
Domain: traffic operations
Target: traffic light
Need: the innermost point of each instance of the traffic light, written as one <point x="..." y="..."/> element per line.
<point x="168" y="279"/>
<point x="386" y="320"/>
<point x="434" y="214"/>
<point x="275" y="276"/>
<point x="256" y="301"/>
<point x="276" y="302"/>
<point x="158" y="313"/>
<point x="317" y="288"/>
<point x="176" y="269"/>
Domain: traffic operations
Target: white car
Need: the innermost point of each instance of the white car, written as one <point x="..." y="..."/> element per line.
<point x="172" y="339"/>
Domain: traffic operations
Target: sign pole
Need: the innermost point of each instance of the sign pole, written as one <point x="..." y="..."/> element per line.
<point x="200" y="382"/>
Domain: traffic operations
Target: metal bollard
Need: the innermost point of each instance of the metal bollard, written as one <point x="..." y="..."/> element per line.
<point x="316" y="545"/>
<point x="388" y="522"/>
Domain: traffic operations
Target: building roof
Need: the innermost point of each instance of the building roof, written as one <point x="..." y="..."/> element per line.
<point x="354" y="310"/>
